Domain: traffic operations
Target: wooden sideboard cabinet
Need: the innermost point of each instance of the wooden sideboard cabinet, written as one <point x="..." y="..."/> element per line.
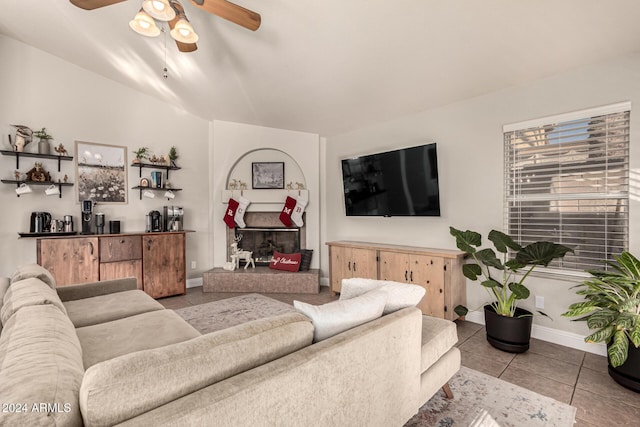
<point x="156" y="260"/>
<point x="439" y="271"/>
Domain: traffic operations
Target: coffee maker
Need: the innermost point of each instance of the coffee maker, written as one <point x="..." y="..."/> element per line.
<point x="154" y="221"/>
<point x="40" y="222"/>
<point x="87" y="209"/>
<point x="173" y="218"/>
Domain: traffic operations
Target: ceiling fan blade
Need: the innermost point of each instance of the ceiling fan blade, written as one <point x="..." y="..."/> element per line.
<point x="231" y="12"/>
<point x="182" y="47"/>
<point x="93" y="4"/>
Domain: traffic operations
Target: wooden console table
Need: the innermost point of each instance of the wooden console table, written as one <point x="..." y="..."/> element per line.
<point x="439" y="271"/>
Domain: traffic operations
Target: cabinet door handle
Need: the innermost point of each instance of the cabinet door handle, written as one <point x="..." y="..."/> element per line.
<point x="406" y="275"/>
<point x="411" y="276"/>
<point x="122" y="241"/>
<point x="354" y="266"/>
<point x="90" y="248"/>
<point x="149" y="244"/>
<point x="349" y="266"/>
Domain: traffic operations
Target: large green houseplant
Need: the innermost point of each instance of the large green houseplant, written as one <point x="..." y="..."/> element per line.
<point x="498" y="275"/>
<point x="612" y="308"/>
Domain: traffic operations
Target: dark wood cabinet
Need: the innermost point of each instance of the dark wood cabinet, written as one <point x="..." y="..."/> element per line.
<point x="156" y="260"/>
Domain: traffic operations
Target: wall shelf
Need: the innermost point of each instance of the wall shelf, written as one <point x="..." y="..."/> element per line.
<point x="141" y="188"/>
<point x="18" y="154"/>
<point x="154" y="166"/>
<point x="47" y="183"/>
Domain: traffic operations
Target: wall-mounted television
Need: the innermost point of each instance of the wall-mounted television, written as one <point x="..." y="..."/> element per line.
<point x="401" y="182"/>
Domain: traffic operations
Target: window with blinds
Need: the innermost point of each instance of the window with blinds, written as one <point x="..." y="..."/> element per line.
<point x="567" y="181"/>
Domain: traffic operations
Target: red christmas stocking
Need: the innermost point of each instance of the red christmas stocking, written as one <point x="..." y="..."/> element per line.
<point x="231" y="213"/>
<point x="285" y="215"/>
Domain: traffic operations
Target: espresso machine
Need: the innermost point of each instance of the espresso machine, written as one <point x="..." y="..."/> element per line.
<point x="87" y="210"/>
<point x="173" y="218"/>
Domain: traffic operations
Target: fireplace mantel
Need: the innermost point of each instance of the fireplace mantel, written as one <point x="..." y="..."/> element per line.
<point x="264" y="196"/>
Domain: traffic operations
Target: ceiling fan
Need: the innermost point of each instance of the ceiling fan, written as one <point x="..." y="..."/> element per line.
<point x="181" y="30"/>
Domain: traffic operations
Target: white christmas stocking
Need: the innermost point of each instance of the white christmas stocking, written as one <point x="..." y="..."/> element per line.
<point x="243" y="202"/>
<point x="296" y="215"/>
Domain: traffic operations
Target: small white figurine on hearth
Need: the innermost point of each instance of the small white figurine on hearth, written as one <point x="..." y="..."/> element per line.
<point x="238" y="254"/>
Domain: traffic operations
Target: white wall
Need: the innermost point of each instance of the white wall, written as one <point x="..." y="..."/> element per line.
<point x="470" y="158"/>
<point x="39" y="90"/>
<point x="231" y="142"/>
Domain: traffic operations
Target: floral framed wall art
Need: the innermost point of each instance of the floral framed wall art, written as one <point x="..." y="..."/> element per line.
<point x="267" y="175"/>
<point x="101" y="172"/>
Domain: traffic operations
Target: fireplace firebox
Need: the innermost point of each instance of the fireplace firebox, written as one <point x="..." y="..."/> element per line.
<point x="264" y="241"/>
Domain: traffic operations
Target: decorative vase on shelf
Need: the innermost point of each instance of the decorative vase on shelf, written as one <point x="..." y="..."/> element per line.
<point x="43" y="146"/>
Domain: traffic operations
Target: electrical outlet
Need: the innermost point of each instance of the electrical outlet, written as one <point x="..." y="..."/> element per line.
<point x="193" y="265"/>
<point x="539" y="302"/>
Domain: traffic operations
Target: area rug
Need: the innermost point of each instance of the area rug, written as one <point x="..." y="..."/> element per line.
<point x="507" y="405"/>
<point x="222" y="314"/>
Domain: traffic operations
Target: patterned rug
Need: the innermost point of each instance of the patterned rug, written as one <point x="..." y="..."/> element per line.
<point x="479" y="400"/>
<point x="507" y="405"/>
<point x="217" y="315"/>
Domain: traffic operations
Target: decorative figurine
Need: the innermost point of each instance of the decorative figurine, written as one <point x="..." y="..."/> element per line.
<point x="66" y="177"/>
<point x="238" y="254"/>
<point x="233" y="184"/>
<point x="60" y="150"/>
<point x="242" y="185"/>
<point x="299" y="186"/>
<point x="17" y="175"/>
<point x="290" y="185"/>
<point x="38" y="174"/>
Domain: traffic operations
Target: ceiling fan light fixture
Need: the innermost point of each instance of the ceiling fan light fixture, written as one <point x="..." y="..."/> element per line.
<point x="144" y="25"/>
<point x="159" y="9"/>
<point x="183" y="31"/>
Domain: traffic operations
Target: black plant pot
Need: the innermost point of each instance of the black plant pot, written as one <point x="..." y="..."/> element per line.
<point x="628" y="374"/>
<point x="511" y="334"/>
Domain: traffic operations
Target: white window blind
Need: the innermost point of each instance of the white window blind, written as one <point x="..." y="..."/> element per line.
<point x="568" y="182"/>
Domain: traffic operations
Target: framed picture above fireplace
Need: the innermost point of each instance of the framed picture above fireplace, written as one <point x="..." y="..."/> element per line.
<point x="267" y="175"/>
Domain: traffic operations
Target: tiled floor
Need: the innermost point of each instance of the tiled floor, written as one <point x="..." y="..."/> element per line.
<point x="567" y="375"/>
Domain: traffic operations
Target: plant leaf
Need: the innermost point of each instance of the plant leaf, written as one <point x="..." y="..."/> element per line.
<point x="488" y="257"/>
<point x="491" y="284"/>
<point x="471" y="271"/>
<point x="503" y="242"/>
<point x="634" y="334"/>
<point x="519" y="291"/>
<point x="466" y="241"/>
<point x="628" y="265"/>
<point x="601" y="335"/>
<point x="601" y="318"/>
<point x="514" y="265"/>
<point x="618" y="349"/>
<point x="541" y="253"/>
<point x="580" y="308"/>
<point x="461" y="310"/>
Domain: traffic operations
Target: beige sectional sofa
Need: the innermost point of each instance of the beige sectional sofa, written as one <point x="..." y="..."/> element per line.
<point x="107" y="354"/>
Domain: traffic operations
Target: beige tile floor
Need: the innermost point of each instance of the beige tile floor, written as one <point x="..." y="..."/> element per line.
<point x="565" y="374"/>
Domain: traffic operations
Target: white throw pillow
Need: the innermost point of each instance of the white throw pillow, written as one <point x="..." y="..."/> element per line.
<point x="398" y="295"/>
<point x="332" y="318"/>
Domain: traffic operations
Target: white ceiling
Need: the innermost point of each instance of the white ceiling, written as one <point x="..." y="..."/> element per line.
<point x="330" y="66"/>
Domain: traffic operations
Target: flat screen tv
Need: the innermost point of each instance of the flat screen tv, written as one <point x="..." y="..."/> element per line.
<point x="394" y="183"/>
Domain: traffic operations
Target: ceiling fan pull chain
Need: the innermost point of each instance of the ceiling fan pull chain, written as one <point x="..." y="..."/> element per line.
<point x="164" y="70"/>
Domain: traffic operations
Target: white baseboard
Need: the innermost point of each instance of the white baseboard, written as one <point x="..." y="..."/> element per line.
<point x="195" y="282"/>
<point x="556" y="336"/>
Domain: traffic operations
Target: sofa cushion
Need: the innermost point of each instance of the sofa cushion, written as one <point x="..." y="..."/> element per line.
<point x="438" y="336"/>
<point x="105" y="308"/>
<point x="332" y="318"/>
<point x="26" y="293"/>
<point x="33" y="270"/>
<point x="399" y="295"/>
<point x="144" y="331"/>
<point x="121" y="388"/>
<point x="40" y="366"/>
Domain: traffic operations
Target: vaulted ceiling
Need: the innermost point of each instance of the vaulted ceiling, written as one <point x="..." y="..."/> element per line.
<point x="330" y="66"/>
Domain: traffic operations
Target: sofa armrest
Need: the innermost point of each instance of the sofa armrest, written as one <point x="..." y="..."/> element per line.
<point x="94" y="289"/>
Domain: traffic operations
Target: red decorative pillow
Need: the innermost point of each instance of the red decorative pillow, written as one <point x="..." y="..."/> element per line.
<point x="286" y="262"/>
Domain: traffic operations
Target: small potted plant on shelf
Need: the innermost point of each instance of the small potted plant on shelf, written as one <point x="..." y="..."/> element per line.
<point x="173" y="156"/>
<point x="141" y="154"/>
<point x="508" y="326"/>
<point x="612" y="308"/>
<point x="43" y="145"/>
